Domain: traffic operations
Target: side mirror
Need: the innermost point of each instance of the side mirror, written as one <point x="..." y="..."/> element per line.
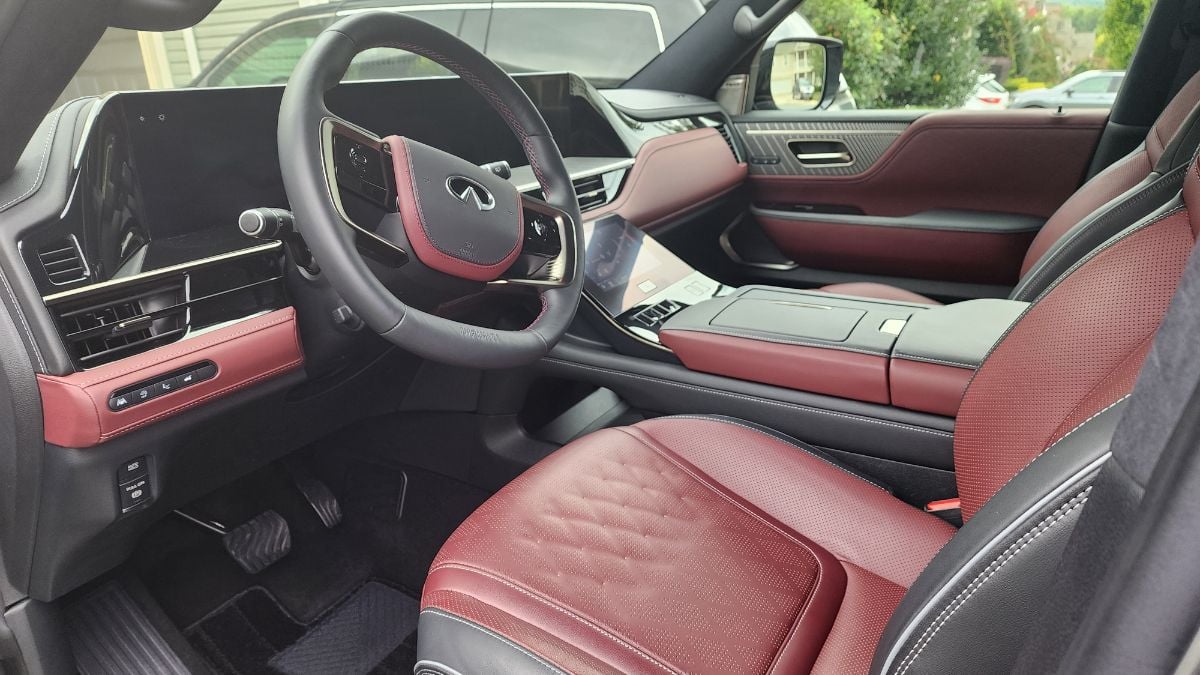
<point x="1069" y="93"/>
<point x="799" y="73"/>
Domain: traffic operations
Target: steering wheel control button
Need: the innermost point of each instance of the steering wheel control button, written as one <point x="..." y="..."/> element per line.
<point x="360" y="169"/>
<point x="161" y="386"/>
<point x="541" y="235"/>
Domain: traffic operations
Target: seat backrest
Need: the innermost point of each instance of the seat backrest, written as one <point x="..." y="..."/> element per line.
<point x="1129" y="189"/>
<point x="1032" y="432"/>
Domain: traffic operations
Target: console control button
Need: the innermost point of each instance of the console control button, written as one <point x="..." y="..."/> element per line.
<point x="134" y="468"/>
<point x="134" y="493"/>
<point x="161" y="386"/>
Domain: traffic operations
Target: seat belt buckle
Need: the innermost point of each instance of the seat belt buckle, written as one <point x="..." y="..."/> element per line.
<point x="949" y="510"/>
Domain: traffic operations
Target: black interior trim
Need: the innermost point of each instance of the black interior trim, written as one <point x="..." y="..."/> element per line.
<point x="945" y="220"/>
<point x="840" y="424"/>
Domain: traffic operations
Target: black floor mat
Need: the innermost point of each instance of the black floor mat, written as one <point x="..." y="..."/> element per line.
<point x="195" y="581"/>
<point x="372" y="631"/>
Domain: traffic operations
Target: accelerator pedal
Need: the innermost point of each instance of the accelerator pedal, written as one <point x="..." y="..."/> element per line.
<point x="259" y="542"/>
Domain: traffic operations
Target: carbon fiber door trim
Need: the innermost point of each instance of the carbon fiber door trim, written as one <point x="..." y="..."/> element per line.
<point x="867" y="141"/>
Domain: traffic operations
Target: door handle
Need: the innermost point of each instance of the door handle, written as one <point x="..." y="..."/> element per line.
<point x="821" y="153"/>
<point x="817" y="157"/>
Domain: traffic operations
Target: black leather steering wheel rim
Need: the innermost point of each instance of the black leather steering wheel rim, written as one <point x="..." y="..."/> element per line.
<point x="303" y="166"/>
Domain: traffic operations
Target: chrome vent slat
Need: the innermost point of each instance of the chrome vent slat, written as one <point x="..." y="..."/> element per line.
<point x="723" y="129"/>
<point x="63" y="261"/>
<point x="590" y="192"/>
<point x="98" y="331"/>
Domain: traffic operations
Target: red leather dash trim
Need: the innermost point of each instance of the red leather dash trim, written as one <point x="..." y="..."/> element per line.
<point x="673" y="175"/>
<point x="75" y="407"/>
<point x="836" y="372"/>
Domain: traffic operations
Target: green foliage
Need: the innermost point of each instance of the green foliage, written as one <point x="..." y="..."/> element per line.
<point x="1084" y="19"/>
<point x="872" y="44"/>
<point x="1119" y="30"/>
<point x="1003" y="32"/>
<point x="927" y="53"/>
<point x="939" y="51"/>
<point x="1043" y="52"/>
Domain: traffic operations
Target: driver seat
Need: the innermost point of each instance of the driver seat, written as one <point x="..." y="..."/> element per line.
<point x="701" y="544"/>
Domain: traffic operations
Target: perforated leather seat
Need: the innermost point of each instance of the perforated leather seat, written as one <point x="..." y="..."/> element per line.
<point x="693" y="544"/>
<point x="1152" y="173"/>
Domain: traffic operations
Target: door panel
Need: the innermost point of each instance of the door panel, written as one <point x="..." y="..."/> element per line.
<point x="989" y="178"/>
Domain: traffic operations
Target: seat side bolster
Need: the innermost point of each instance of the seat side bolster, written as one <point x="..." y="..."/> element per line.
<point x="446" y="638"/>
<point x="990" y="579"/>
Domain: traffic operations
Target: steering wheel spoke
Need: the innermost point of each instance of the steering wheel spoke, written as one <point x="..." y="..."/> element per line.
<point x="548" y="248"/>
<point x="362" y="185"/>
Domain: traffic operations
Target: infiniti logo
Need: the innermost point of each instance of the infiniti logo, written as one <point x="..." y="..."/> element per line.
<point x="469" y="192"/>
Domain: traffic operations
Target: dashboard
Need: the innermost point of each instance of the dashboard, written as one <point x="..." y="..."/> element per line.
<point x="154" y="323"/>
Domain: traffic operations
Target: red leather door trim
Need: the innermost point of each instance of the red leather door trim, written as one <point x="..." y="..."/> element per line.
<point x="1022" y="162"/>
<point x="1012" y="161"/>
<point x="836" y="372"/>
<point x="675" y="174"/>
<point x="928" y="387"/>
<point x="75" y="407"/>
<point x="944" y="255"/>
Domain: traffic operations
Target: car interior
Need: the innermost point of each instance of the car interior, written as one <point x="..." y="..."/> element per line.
<point x="493" y="372"/>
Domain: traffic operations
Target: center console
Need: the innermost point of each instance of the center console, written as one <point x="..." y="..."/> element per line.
<point x="913" y="356"/>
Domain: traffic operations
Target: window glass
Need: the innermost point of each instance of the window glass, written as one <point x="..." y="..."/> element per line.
<point x="1093" y="85"/>
<point x="257" y="42"/>
<point x="994" y="54"/>
<point x="606" y="46"/>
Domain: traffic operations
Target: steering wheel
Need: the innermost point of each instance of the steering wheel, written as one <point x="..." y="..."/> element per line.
<point x="458" y="225"/>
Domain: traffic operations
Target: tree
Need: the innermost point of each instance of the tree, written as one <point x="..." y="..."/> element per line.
<point x="1119" y="30"/>
<point x="872" y="41"/>
<point x="1003" y="32"/>
<point x="940" y="51"/>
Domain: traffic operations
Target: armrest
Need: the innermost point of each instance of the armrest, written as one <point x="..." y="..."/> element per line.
<point x="796" y="339"/>
<point x="936" y="354"/>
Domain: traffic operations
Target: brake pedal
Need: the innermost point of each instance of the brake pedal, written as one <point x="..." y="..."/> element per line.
<point x="256" y="544"/>
<point x="259" y="542"/>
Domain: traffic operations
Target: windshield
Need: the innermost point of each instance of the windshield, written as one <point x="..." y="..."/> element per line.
<point x="255" y="42"/>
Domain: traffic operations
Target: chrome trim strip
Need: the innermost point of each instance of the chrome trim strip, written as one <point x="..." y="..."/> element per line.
<point x="733" y="255"/>
<point x="820" y="132"/>
<point x="336" y="125"/>
<point x="162" y="272"/>
<point x="598" y="171"/>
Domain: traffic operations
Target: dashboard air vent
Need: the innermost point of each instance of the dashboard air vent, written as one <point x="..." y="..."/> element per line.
<point x="63" y="261"/>
<point x="590" y="191"/>
<point x="723" y="129"/>
<point x="98" y="329"/>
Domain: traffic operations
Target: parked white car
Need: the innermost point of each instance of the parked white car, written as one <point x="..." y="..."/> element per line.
<point x="988" y="94"/>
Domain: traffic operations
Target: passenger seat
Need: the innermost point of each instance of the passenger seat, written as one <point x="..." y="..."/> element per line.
<point x="1130" y="189"/>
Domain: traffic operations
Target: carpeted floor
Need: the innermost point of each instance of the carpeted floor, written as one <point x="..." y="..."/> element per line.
<point x="358" y="581"/>
<point x="373" y="631"/>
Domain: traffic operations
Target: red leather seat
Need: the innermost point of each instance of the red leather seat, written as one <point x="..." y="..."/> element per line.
<point x="1115" y="181"/>
<point x="692" y="544"/>
<point x="632" y="547"/>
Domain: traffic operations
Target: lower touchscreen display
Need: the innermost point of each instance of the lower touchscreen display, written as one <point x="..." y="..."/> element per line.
<point x="625" y="267"/>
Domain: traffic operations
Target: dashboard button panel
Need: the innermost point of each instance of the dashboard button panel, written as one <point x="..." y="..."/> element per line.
<point x="161" y="386"/>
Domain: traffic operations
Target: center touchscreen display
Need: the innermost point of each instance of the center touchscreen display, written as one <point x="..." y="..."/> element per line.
<point x="624" y="266"/>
